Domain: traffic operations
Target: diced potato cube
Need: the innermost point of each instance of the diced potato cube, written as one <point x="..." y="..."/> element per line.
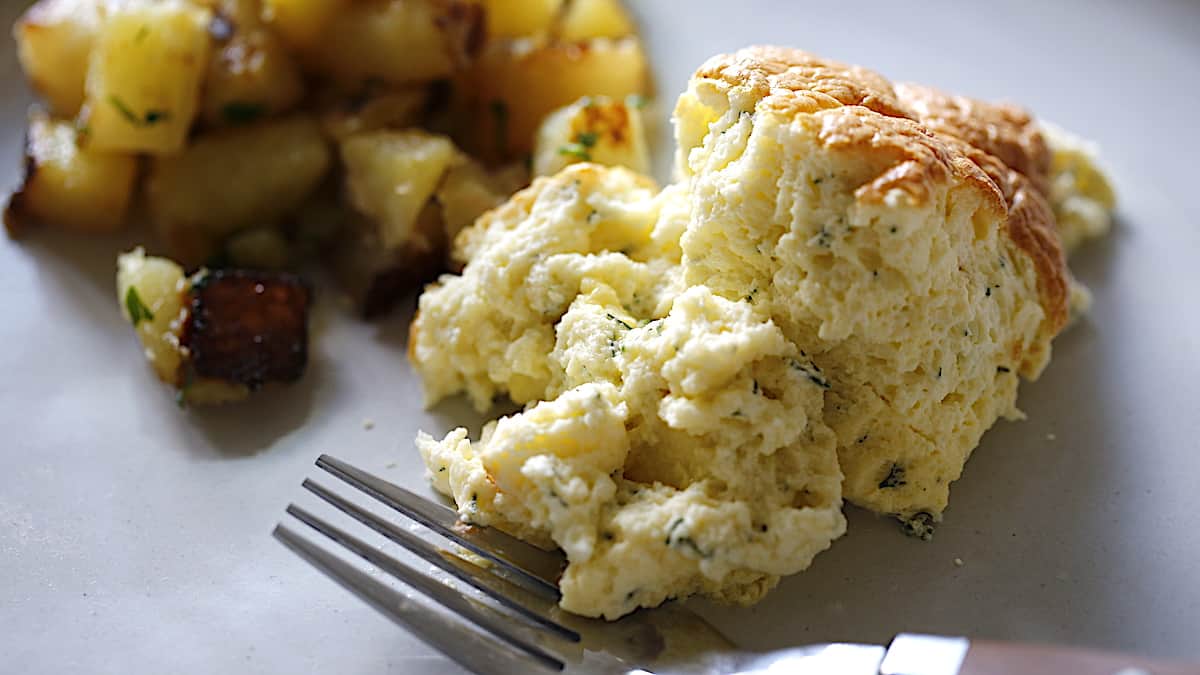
<point x="215" y="336"/>
<point x="233" y="179"/>
<point x="246" y="328"/>
<point x="375" y="110"/>
<point x="515" y="85"/>
<point x="587" y="19"/>
<point x="54" y="39"/>
<point x="391" y="175"/>
<point x="250" y="74"/>
<point x="68" y="186"/>
<point x="143" y="82"/>
<point x="301" y="22"/>
<point x="152" y="293"/>
<point x="595" y="129"/>
<point x="397" y="41"/>
<point x="520" y="18"/>
<point x="468" y="191"/>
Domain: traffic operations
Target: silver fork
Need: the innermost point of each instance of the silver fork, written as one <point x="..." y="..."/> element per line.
<point x="507" y="619"/>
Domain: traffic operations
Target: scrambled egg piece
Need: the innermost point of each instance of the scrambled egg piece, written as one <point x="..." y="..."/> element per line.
<point x="837" y="297"/>
<point x="677" y="448"/>
<point x="1080" y="193"/>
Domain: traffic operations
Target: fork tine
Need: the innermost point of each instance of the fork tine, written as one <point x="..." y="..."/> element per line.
<point x="467" y="647"/>
<point x="529" y="566"/>
<point x="430" y="554"/>
<point x="447" y="596"/>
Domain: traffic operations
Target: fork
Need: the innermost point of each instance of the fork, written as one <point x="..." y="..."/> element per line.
<point x="498" y="608"/>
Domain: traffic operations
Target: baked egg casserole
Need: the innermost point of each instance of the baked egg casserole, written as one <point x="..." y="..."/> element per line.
<point x="836" y="298"/>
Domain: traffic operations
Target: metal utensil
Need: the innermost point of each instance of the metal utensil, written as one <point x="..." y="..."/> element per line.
<point x="496" y="608"/>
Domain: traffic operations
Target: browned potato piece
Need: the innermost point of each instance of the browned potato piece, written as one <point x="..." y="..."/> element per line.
<point x="144" y="75"/>
<point x="594" y="129"/>
<point x="250" y="74"/>
<point x="54" y="39"/>
<point x="587" y="19"/>
<point x="372" y="109"/>
<point x="390" y="177"/>
<point x="515" y="85"/>
<point x="233" y="179"/>
<point x="468" y="190"/>
<point x="397" y="41"/>
<point x="377" y="277"/>
<point x="520" y="18"/>
<point x="68" y="186"/>
<point x="246" y="328"/>
<point x="300" y="22"/>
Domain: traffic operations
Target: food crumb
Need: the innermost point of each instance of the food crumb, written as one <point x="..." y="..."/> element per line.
<point x="958" y="562"/>
<point x="1051" y="437"/>
<point x="368" y="424"/>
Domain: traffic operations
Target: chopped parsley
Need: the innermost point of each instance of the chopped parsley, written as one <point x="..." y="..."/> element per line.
<point x="811" y="371"/>
<point x="141" y="34"/>
<point x="138" y="311"/>
<point x="619" y="320"/>
<point x="500" y="123"/>
<point x="242" y="112"/>
<point x="584" y="141"/>
<point x="894" y="478"/>
<point x="151" y="117"/>
<point x="575" y="150"/>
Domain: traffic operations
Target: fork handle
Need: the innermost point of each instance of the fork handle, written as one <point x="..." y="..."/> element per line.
<point x="1005" y="658"/>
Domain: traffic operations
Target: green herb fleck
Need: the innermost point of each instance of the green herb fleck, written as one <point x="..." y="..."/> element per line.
<point x="138" y="311"/>
<point x="577" y="150"/>
<point x="1003" y="369"/>
<point x="636" y="101"/>
<point x="242" y="112"/>
<point x="894" y="478"/>
<point x="500" y="122"/>
<point x="587" y="139"/>
<point x="151" y="117"/>
<point x="141" y="34"/>
<point x="811" y="371"/>
<point x="619" y="320"/>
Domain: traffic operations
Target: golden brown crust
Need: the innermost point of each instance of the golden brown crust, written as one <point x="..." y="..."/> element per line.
<point x="926" y="137"/>
<point x="1005" y="131"/>
<point x="791" y="80"/>
<point x="919" y="160"/>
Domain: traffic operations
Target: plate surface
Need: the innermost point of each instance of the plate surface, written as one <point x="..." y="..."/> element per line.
<point x="134" y="536"/>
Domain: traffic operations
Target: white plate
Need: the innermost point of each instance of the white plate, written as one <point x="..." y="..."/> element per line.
<point x="134" y="536"/>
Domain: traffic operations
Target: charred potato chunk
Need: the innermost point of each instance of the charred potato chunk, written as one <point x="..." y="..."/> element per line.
<point x="246" y="328"/>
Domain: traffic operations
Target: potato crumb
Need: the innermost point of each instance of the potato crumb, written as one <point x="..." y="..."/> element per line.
<point x="1051" y="437"/>
<point x="368" y="424"/>
<point x="958" y="562"/>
